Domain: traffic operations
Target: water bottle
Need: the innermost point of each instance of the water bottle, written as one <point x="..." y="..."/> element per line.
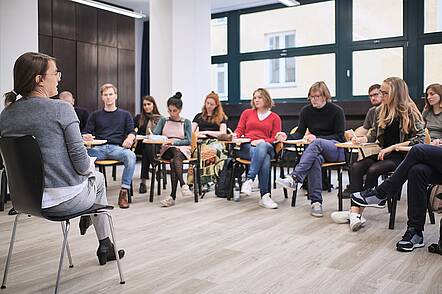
<point x="236" y="191"/>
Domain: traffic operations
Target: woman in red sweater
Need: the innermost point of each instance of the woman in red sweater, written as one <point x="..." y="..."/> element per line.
<point x="263" y="127"/>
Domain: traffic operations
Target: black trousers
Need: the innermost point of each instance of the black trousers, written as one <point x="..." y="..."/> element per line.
<point x="422" y="166"/>
<point x="147" y="159"/>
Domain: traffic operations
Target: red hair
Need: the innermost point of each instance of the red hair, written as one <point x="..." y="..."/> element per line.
<point x="218" y="114"/>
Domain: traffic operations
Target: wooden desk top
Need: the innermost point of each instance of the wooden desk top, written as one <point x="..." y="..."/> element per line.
<point x="153" y="142"/>
<point x="95" y="142"/>
<point x="296" y="142"/>
<point x="350" y="145"/>
<point x="403" y="148"/>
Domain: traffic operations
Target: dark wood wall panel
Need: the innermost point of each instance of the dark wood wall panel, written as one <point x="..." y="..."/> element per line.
<point x="65" y="52"/>
<point x="63" y="19"/>
<point x="107" y="65"/>
<point x="86" y="22"/>
<point x="107" y="28"/>
<point x="126" y="79"/>
<point x="85" y="41"/>
<point x="45" y="44"/>
<point x="126" y="40"/>
<point x="45" y="17"/>
<point x="87" y="61"/>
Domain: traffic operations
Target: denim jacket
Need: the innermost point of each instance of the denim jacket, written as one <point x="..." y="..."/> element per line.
<point x="416" y="135"/>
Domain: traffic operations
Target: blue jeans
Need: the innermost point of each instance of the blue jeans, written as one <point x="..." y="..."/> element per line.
<point x="115" y="152"/>
<point x="260" y="157"/>
<point x="310" y="165"/>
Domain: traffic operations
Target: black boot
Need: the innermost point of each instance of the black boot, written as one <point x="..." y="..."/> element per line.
<point x="85" y="222"/>
<point x="106" y="251"/>
<point x="142" y="189"/>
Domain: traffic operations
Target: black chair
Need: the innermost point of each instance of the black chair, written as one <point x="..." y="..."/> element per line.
<point x="24" y="166"/>
<point x="3" y="185"/>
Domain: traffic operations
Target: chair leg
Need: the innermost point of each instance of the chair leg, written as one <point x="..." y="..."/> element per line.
<point x="195" y="184"/>
<point x="164" y="170"/>
<point x="102" y="169"/>
<point x="152" y="182"/>
<point x="3" y="189"/>
<point x="393" y="211"/>
<point x="114" y="240"/>
<point x="11" y="246"/>
<point x="114" y="172"/>
<point x="68" y="249"/>
<point x="232" y="181"/>
<point x="159" y="181"/>
<point x="63" y="248"/>
<point x="294" y="194"/>
<point x="131" y="193"/>
<point x="340" y="206"/>
<point x="274" y="177"/>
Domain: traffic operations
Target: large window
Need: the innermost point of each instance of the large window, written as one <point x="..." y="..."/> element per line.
<point x="373" y="66"/>
<point x="309" y="69"/>
<point x="432" y="64"/>
<point x="218" y="36"/>
<point x="281" y="72"/>
<point x="219" y="81"/>
<point x="433" y="16"/>
<point x="348" y="44"/>
<point x="310" y="29"/>
<point x="374" y="19"/>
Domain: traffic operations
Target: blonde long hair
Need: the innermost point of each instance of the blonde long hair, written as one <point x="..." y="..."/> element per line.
<point x="399" y="105"/>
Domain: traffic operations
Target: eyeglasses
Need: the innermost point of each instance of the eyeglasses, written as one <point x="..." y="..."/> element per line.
<point x="383" y="93"/>
<point x="58" y="74"/>
<point x="315" y="97"/>
<point x="374" y="95"/>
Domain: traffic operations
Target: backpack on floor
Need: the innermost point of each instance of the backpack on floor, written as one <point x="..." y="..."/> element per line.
<point x="436" y="198"/>
<point x="222" y="186"/>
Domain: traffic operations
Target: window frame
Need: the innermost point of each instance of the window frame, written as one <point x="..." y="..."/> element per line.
<point x="412" y="41"/>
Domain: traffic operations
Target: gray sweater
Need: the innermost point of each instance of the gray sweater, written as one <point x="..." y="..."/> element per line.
<point x="55" y="126"/>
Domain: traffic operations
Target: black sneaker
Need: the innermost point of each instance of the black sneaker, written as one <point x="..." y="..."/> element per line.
<point x="369" y="198"/>
<point x="142" y="189"/>
<point x="411" y="239"/>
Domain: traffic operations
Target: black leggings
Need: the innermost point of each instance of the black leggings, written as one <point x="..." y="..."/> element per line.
<point x="176" y="158"/>
<point x="372" y="168"/>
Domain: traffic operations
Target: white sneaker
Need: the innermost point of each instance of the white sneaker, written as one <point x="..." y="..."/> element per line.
<point x="267" y="202"/>
<point x="167" y="202"/>
<point x="185" y="191"/>
<point x="247" y="187"/>
<point x="341" y="217"/>
<point x="357" y="221"/>
<point x="316" y="209"/>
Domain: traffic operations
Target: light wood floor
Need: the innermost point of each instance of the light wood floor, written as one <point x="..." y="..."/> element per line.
<point x="216" y="246"/>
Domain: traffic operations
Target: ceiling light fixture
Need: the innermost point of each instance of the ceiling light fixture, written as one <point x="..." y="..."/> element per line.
<point x="290" y="2"/>
<point x="110" y="8"/>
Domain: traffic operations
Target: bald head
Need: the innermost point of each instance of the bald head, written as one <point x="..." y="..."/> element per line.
<point x="67" y="96"/>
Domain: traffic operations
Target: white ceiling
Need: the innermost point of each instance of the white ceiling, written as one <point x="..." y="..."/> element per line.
<point x="217" y="5"/>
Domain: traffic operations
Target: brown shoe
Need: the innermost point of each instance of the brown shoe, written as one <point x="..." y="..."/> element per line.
<point x="123" y="201"/>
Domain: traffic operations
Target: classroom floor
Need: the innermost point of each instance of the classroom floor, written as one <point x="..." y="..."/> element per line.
<point x="217" y="246"/>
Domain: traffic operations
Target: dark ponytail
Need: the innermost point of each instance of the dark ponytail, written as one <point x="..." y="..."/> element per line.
<point x="176" y="101"/>
<point x="26" y="68"/>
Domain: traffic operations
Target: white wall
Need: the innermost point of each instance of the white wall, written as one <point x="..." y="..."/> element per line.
<point x="160" y="39"/>
<point x="180" y="52"/>
<point x="18" y="34"/>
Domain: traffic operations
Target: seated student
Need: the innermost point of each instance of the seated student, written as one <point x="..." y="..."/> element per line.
<point x="433" y="111"/>
<point x="375" y="99"/>
<point x="421" y="167"/>
<point x="117" y="127"/>
<point x="262" y="127"/>
<point x="326" y="123"/>
<point x="398" y="122"/>
<point x="146" y="122"/>
<point x="178" y="130"/>
<point x="71" y="184"/>
<point x="82" y="114"/>
<point x="211" y="122"/>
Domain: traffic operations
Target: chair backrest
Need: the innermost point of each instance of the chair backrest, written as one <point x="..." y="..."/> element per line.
<point x="24" y="167"/>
